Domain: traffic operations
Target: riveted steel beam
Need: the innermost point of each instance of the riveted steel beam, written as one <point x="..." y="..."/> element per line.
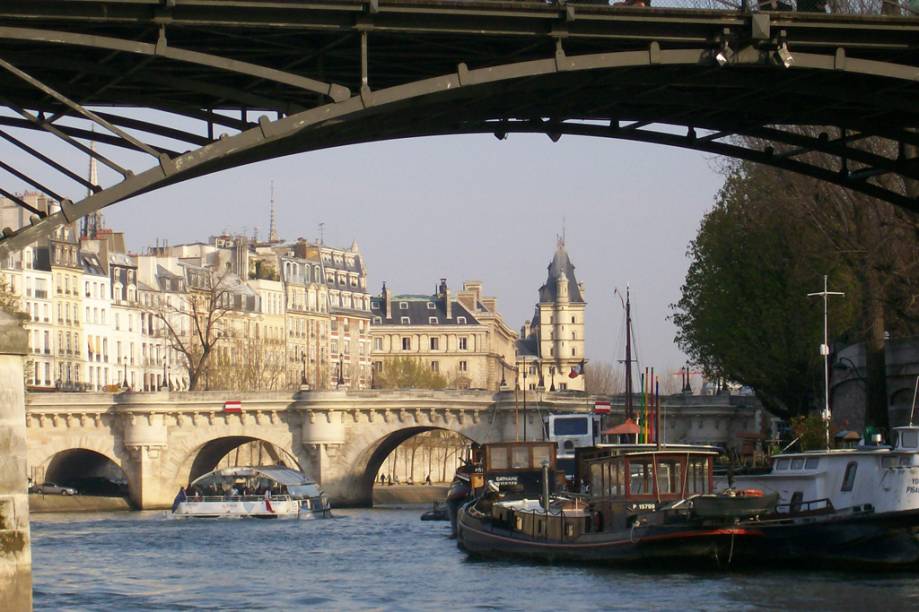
<point x="162" y="49"/>
<point x="47" y="160"/>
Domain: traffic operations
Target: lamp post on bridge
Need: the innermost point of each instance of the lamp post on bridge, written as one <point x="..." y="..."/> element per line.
<point x="341" y="377"/>
<point x="124" y="383"/>
<point x="165" y="384"/>
<point x="304" y="385"/>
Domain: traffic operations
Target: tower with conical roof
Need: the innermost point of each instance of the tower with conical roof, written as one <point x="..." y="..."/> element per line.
<point x="559" y="324"/>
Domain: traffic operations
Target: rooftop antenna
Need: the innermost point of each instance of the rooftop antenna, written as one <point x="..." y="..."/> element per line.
<point x="825" y="351"/>
<point x="321" y="232"/>
<point x="272" y="226"/>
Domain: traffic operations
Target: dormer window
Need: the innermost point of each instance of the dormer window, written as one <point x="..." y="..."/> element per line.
<point x="403" y="305"/>
<point x="460" y="320"/>
<point x="378" y="320"/>
<point x="431" y="306"/>
<point x="405" y="321"/>
<point x="432" y="320"/>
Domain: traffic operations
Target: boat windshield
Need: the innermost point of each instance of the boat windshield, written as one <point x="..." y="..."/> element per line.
<point x="908" y="438"/>
<point x="304" y="491"/>
<point x="667" y="476"/>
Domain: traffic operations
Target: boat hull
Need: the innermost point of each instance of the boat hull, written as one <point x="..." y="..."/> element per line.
<point x="657" y="545"/>
<point x="238" y="508"/>
<point x="866" y="540"/>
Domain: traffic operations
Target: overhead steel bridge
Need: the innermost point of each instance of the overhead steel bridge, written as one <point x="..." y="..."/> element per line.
<point x="228" y="82"/>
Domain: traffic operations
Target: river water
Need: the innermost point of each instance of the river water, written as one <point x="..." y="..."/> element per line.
<point x="382" y="560"/>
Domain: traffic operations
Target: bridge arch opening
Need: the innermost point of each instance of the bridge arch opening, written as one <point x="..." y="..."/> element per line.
<point x="411" y="455"/>
<point x="87" y="471"/>
<point x="231" y="451"/>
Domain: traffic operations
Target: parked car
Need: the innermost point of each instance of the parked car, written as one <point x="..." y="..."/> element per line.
<point x="49" y="488"/>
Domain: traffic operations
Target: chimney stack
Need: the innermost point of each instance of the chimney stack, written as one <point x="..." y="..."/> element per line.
<point x="387" y="301"/>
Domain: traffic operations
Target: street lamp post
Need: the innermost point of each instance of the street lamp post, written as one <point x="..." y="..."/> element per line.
<point x="524" y="399"/>
<point x="165" y="384"/>
<point x="303" y="382"/>
<point x="124" y="384"/>
<point x="341" y="377"/>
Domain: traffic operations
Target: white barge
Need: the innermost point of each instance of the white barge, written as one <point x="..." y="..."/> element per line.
<point x="266" y="492"/>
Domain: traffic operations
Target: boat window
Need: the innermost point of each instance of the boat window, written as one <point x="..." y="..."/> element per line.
<point x="596" y="478"/>
<point x="849" y="480"/>
<point x="518" y="523"/>
<point x="812" y="463"/>
<point x="668" y="477"/>
<point x="905" y="460"/>
<point x="640" y="478"/>
<point x="615" y="479"/>
<point x="520" y="457"/>
<point x="540" y="455"/>
<point x="570" y="427"/>
<point x="497" y="458"/>
<point x="697" y="476"/>
<point x="909" y="439"/>
<point x="569" y="529"/>
<point x="797" y="463"/>
<point x="889" y="462"/>
<point x="781" y="464"/>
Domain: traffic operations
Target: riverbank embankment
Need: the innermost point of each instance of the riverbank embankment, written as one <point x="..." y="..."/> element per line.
<point x="405" y="495"/>
<point x="76" y="503"/>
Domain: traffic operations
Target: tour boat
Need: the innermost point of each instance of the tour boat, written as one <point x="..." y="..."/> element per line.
<point x="265" y="492"/>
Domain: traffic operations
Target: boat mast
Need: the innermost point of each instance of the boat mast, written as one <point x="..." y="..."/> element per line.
<point x="825" y="351"/>
<point x="628" y="355"/>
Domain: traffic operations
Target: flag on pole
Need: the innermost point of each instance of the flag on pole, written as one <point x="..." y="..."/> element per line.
<point x="577" y="370"/>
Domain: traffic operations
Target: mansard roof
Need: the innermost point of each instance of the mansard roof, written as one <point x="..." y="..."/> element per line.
<point x="560" y="265"/>
<point x="419" y="313"/>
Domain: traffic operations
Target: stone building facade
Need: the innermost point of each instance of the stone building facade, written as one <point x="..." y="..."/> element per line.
<point x="462" y="336"/>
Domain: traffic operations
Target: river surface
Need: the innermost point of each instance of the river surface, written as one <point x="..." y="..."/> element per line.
<point x="382" y="560"/>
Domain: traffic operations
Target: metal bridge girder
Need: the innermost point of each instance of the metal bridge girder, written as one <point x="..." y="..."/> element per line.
<point x="738" y="93"/>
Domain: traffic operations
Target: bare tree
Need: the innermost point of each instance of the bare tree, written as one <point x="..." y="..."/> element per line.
<point x="602" y="378"/>
<point x="193" y="325"/>
<point x="247" y="362"/>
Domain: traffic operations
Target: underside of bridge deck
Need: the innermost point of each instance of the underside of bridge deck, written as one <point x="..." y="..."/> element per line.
<point x="222" y="84"/>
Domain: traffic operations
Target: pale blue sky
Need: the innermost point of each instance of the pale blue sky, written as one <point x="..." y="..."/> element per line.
<point x="467" y="207"/>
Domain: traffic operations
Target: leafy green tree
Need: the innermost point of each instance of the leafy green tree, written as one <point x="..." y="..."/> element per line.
<point x="744" y="314"/>
<point x="409" y="373"/>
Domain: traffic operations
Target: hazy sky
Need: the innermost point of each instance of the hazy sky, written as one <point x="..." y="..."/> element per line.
<point x="469" y="207"/>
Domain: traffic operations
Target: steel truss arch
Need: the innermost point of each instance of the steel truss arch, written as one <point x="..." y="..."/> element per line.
<point x="541" y="94"/>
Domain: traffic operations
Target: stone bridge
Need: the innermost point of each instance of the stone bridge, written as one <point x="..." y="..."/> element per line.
<point x="164" y="440"/>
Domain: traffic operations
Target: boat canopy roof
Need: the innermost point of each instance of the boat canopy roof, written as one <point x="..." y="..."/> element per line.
<point x="277" y="473"/>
